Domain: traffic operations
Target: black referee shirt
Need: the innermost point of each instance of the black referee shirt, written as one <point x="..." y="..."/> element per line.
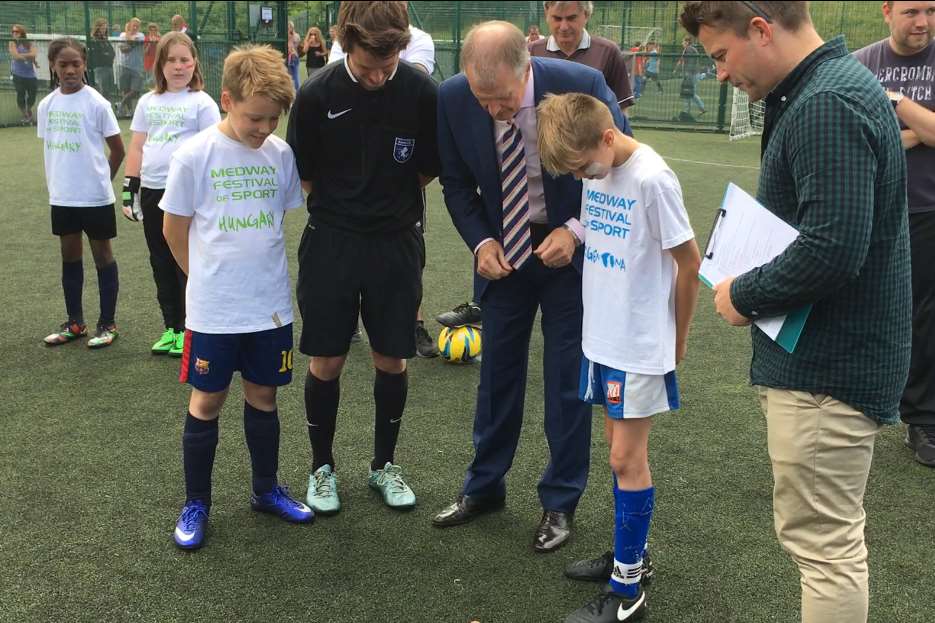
<point x="363" y="150"/>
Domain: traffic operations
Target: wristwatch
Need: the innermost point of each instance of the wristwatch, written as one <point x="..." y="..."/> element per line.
<point x="895" y="97"/>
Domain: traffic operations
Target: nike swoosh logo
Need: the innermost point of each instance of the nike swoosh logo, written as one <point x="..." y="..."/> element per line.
<point x="335" y="115"/>
<point x="182" y="535"/>
<point x="396" y="420"/>
<point x="624" y="613"/>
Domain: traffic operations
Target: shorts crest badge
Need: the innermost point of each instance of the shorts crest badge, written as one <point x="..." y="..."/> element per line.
<point x="202" y="366"/>
<point x="402" y="149"/>
<point x="613" y="392"/>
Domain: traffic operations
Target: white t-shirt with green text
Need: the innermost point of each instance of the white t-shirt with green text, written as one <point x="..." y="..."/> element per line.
<point x="238" y="277"/>
<point x="169" y="119"/>
<point x="73" y="128"/>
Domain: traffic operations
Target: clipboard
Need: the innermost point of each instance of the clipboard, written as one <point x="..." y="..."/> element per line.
<point x="744" y="236"/>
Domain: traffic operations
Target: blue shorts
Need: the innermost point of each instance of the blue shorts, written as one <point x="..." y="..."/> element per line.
<point x="627" y="395"/>
<point x="264" y="358"/>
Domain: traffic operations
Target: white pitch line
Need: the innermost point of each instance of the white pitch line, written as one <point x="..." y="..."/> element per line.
<point x="713" y="164"/>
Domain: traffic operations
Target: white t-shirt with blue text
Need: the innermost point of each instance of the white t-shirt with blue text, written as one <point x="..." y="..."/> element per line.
<point x="169" y="119"/>
<point x="238" y="277"/>
<point x="73" y="128"/>
<point x="631" y="217"/>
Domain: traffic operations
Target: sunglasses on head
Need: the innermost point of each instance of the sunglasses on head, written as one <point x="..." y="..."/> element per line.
<point x="758" y="11"/>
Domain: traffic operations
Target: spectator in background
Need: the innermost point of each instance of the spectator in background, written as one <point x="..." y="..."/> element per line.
<point x="130" y="66"/>
<point x="651" y="67"/>
<point x="293" y="44"/>
<point x="639" y="59"/>
<point x="101" y="59"/>
<point x="690" y="65"/>
<point x="333" y="35"/>
<point x="23" y="65"/>
<point x="533" y="34"/>
<point x="149" y="50"/>
<point x="178" y="23"/>
<point x="316" y="53"/>
<point x="903" y="63"/>
<point x="571" y="41"/>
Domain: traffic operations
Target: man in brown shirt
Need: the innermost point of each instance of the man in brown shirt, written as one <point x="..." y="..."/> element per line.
<point x="571" y="41"/>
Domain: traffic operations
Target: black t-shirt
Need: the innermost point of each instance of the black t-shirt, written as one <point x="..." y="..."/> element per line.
<point x="363" y="150"/>
<point x="314" y="61"/>
<point x="914" y="77"/>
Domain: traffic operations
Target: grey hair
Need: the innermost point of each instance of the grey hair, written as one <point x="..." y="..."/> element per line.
<point x="587" y="7"/>
<point x="486" y="60"/>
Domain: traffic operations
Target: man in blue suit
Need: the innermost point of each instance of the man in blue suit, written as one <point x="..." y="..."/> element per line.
<point x="522" y="225"/>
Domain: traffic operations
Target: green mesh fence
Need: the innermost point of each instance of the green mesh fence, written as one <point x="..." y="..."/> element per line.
<point x="220" y="25"/>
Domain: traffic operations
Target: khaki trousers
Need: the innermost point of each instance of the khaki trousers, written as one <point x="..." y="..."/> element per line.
<point x="821" y="449"/>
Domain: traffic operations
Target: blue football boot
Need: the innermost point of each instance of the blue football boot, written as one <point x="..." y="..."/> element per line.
<point x="190" y="528"/>
<point x="278" y="502"/>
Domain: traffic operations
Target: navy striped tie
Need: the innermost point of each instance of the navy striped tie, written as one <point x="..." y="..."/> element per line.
<point x="517" y="240"/>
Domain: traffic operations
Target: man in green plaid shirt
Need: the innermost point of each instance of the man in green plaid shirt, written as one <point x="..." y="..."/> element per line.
<point x="832" y="167"/>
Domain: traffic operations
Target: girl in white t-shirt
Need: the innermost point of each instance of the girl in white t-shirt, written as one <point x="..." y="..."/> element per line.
<point x="174" y="111"/>
<point x="74" y="122"/>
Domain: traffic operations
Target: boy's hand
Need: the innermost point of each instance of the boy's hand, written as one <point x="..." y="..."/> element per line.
<point x="725" y="307"/>
<point x="681" y="348"/>
<point x="132" y="209"/>
<point x="491" y="262"/>
<point x="557" y="249"/>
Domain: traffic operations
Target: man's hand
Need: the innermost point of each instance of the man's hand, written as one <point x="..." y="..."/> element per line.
<point x="491" y="262"/>
<point x="557" y="249"/>
<point x="725" y="307"/>
<point x="681" y="348"/>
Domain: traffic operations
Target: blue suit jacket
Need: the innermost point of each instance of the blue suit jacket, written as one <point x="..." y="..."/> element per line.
<point x="470" y="173"/>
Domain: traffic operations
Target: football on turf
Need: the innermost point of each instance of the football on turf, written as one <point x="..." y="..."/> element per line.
<point x="459" y="344"/>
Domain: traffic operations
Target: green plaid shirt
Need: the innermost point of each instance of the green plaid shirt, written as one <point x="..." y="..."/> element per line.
<point x="833" y="167"/>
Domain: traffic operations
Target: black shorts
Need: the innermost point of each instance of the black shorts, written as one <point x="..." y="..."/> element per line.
<point x="343" y="273"/>
<point x="99" y="223"/>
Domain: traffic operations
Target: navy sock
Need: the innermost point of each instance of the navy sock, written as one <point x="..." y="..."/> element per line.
<point x="261" y="428"/>
<point x="633" y="510"/>
<point x="108" y="285"/>
<point x="73" y="284"/>
<point x="389" y="396"/>
<point x="199" y="442"/>
<point x="321" y="414"/>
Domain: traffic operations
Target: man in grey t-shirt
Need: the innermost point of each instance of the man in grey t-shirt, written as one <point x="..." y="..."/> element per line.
<point x="904" y="63"/>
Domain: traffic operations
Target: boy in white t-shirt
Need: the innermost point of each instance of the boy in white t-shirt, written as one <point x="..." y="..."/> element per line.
<point x="227" y="193"/>
<point x="639" y="286"/>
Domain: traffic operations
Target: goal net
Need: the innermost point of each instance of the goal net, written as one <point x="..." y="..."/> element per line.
<point x="746" y="117"/>
<point x="630" y="35"/>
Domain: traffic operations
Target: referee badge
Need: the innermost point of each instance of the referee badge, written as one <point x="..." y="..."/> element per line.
<point x="402" y="149"/>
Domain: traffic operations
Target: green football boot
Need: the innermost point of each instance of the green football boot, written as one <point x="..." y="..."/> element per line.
<point x="322" y="496"/>
<point x="179" y="347"/>
<point x="389" y="482"/>
<point x="165" y="343"/>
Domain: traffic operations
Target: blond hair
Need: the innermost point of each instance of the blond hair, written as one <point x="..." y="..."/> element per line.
<point x="570" y="125"/>
<point x="175" y="37"/>
<point x="257" y="70"/>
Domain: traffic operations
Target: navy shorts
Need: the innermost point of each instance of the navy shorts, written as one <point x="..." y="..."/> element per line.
<point x="627" y="395"/>
<point x="210" y="359"/>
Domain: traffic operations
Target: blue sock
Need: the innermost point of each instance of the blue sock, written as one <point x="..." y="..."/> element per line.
<point x="199" y="442"/>
<point x="633" y="510"/>
<point x="72" y="284"/>
<point x="108" y="285"/>
<point x="261" y="428"/>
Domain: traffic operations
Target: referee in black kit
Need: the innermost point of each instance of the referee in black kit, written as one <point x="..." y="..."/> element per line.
<point x="364" y="136"/>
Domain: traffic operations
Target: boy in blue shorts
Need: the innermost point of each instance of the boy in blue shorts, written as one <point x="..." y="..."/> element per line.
<point x="227" y="193"/>
<point x="639" y="286"/>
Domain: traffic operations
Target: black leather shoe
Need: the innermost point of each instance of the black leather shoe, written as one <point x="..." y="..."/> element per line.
<point x="467" y="508"/>
<point x="599" y="569"/>
<point x="554" y="529"/>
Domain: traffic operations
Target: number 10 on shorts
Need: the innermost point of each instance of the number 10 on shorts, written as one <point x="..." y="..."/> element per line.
<point x="286" y="361"/>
